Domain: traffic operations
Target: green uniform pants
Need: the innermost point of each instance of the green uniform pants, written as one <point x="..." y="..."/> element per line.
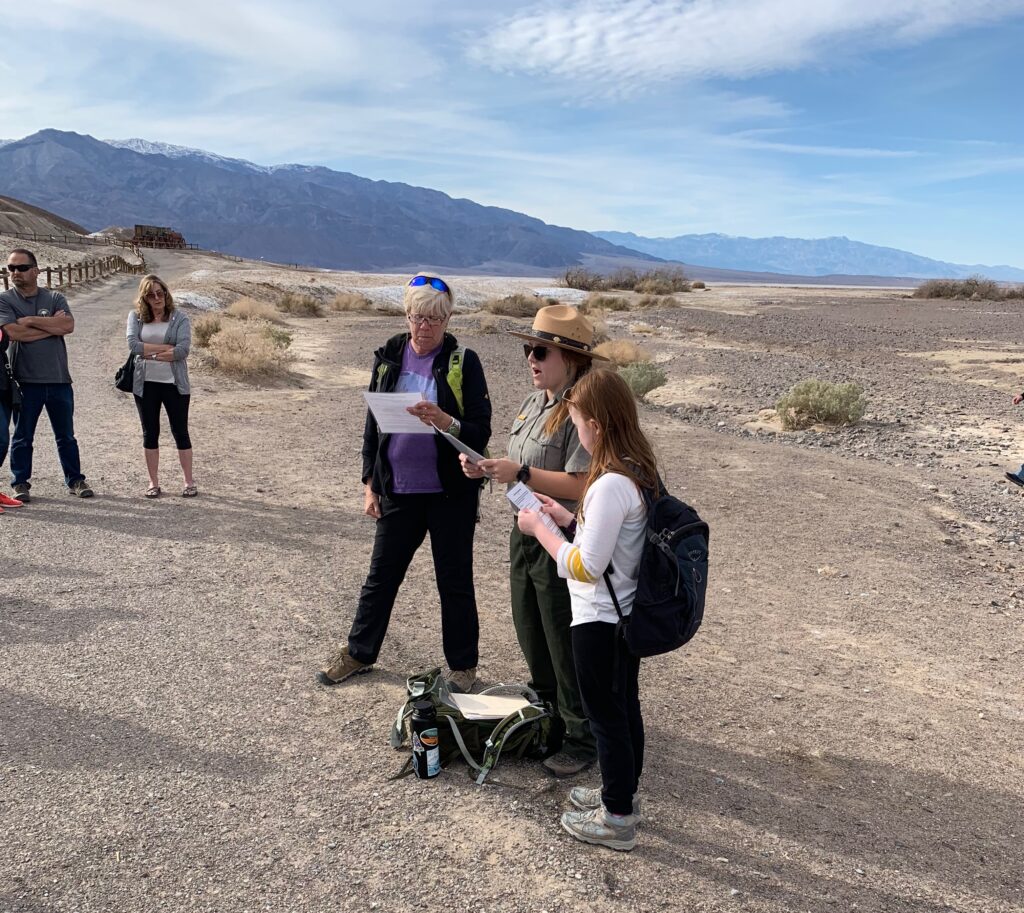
<point x="541" y="612"/>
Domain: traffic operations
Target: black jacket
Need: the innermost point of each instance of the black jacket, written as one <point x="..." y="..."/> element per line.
<point x="475" y="419"/>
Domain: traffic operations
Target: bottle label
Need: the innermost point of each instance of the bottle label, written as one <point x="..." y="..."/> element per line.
<point x="432" y="745"/>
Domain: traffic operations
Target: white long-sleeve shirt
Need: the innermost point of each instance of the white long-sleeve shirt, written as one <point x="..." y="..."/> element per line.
<point x="611" y="532"/>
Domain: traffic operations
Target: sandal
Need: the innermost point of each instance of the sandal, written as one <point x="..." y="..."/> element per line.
<point x="153" y="491"/>
<point x="190" y="491"/>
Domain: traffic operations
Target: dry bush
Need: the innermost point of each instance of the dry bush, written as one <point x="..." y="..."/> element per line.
<point x="350" y="301"/>
<point x="597" y="301"/>
<point x="1015" y="293"/>
<point x="697" y="283"/>
<point x="643" y="377"/>
<point x="251" y="309"/>
<point x="517" y="305"/>
<point x="300" y="305"/>
<point x="600" y="325"/>
<point x="489" y="323"/>
<point x="622" y="351"/>
<point x="204" y="328"/>
<point x="819" y="402"/>
<point x="582" y="278"/>
<point x="662" y="282"/>
<point x="973" y="287"/>
<point x="643" y="329"/>
<point x="657" y="301"/>
<point x="625" y="278"/>
<point x="250" y="350"/>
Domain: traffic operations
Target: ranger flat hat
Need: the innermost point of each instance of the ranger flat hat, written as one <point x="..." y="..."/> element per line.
<point x="564" y="327"/>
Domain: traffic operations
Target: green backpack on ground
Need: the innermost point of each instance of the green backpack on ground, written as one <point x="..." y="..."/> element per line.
<point x="533" y="732"/>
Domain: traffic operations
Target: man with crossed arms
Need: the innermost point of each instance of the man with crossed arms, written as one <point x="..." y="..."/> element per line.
<point x="37" y="320"/>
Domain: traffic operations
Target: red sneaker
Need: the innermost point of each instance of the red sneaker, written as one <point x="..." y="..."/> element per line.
<point x="9" y="502"/>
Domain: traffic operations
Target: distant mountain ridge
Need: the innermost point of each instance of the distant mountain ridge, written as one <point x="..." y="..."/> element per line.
<point x="291" y="213"/>
<point x="807" y="257"/>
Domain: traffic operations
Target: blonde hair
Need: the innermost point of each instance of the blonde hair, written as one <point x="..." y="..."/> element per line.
<point x="429" y="301"/>
<point x="621" y="446"/>
<point x="142" y="307"/>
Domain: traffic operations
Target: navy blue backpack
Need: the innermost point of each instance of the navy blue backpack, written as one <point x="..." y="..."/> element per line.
<point x="673" y="578"/>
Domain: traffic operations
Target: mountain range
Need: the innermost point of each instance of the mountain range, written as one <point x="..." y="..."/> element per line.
<point x="287" y="213"/>
<point x="320" y="217"/>
<point x="805" y="257"/>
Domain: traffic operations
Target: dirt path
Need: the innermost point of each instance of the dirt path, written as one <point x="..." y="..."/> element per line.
<point x="844" y="733"/>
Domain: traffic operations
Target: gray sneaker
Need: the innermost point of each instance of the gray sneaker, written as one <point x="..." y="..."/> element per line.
<point x="21" y="492"/>
<point x="340" y="667"/>
<point x="602" y="829"/>
<point x="461" y="681"/>
<point x="587" y="798"/>
<point x="80" y="489"/>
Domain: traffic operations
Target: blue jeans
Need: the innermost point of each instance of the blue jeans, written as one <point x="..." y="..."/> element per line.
<point x="59" y="402"/>
<point x="5" y="427"/>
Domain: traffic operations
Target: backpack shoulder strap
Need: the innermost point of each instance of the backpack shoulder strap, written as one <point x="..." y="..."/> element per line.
<point x="454" y="377"/>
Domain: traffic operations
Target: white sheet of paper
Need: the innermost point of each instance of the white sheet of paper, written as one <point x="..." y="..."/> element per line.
<point x="524" y="498"/>
<point x="458" y="445"/>
<point x="389" y="411"/>
<point x="487" y="706"/>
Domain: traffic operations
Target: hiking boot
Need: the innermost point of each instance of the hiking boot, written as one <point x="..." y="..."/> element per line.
<point x="461" y="681"/>
<point x="587" y="798"/>
<point x="342" y="666"/>
<point x="564" y="764"/>
<point x="8" y="502"/>
<point x="600" y="828"/>
<point x="80" y="489"/>
<point x="21" y="492"/>
<point x="1016" y="479"/>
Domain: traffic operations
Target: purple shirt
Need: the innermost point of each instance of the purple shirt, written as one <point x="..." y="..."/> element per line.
<point x="413" y="457"/>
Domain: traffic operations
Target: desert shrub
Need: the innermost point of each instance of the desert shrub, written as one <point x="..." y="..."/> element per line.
<point x="622" y="351"/>
<point x="251" y="309"/>
<point x="300" y="305"/>
<point x="489" y="323"/>
<point x="204" y="328"/>
<point x="642" y="377"/>
<point x="249" y="350"/>
<point x="662" y="282"/>
<point x="642" y="329"/>
<point x="813" y="402"/>
<point x="974" y="286"/>
<point x="625" y="278"/>
<point x="582" y="278"/>
<point x="596" y="301"/>
<point x="600" y="325"/>
<point x="350" y="301"/>
<point x="1016" y="293"/>
<point x="550" y="301"/>
<point x="697" y="283"/>
<point x="517" y="305"/>
<point x="657" y="301"/>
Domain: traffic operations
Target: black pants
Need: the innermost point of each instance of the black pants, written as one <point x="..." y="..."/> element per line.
<point x="404" y="523"/>
<point x="176" y="404"/>
<point x="614" y="715"/>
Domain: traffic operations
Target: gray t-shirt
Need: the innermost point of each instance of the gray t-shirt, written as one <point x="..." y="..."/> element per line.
<point x="44" y="361"/>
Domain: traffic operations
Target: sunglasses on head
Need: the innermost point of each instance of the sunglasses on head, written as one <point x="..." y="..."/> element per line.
<point x="539" y="353"/>
<point x="19" y="267"/>
<point x="432" y="281"/>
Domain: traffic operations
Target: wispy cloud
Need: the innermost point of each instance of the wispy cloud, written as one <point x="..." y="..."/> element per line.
<point x="622" y="46"/>
<point x="742" y="141"/>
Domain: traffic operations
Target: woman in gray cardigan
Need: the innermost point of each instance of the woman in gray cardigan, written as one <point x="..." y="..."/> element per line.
<point x="160" y="336"/>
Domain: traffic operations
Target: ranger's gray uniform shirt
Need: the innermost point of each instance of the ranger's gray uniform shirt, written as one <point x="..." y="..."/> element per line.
<point x="44" y="361"/>
<point x="559" y="452"/>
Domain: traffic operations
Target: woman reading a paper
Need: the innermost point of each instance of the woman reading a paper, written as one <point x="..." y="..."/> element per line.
<point x="413" y="485"/>
<point x="544" y="451"/>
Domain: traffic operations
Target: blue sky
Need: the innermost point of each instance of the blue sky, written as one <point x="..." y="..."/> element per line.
<point x="894" y="123"/>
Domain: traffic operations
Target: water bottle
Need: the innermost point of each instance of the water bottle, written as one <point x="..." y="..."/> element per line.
<point x="426" y="748"/>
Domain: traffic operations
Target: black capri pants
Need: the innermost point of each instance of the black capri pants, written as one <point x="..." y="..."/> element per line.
<point x="176" y="404"/>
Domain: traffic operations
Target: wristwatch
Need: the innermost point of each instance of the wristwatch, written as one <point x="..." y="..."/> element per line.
<point x="524" y="473"/>
<point x="455" y="427"/>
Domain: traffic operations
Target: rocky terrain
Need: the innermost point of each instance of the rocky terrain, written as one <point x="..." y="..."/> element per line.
<point x="843" y="734"/>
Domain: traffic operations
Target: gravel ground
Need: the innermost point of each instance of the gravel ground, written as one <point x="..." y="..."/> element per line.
<point x="844" y="732"/>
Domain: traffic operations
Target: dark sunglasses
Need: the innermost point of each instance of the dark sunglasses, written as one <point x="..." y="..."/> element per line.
<point x="432" y="281"/>
<point x="539" y="353"/>
<point x="19" y="267"/>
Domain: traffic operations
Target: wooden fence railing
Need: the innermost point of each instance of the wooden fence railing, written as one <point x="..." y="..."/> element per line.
<point x="71" y="239"/>
<point x="77" y="273"/>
